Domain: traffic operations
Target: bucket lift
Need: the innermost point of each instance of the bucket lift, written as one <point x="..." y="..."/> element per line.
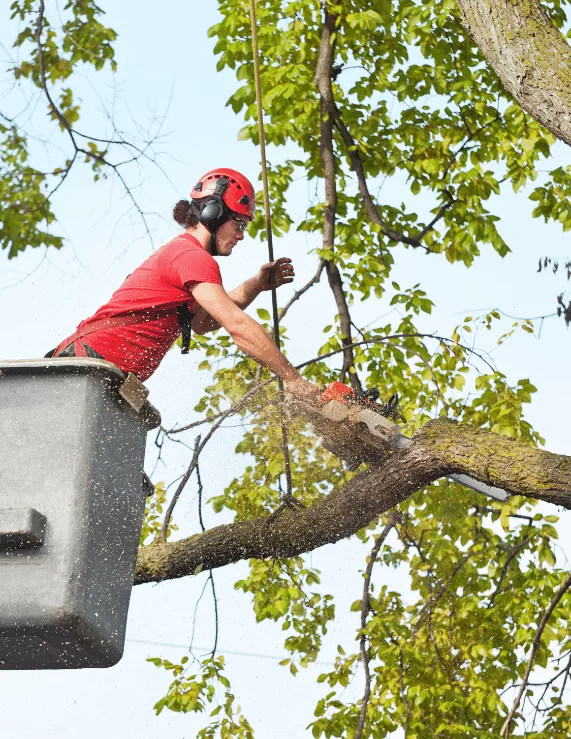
<point x="72" y="445"/>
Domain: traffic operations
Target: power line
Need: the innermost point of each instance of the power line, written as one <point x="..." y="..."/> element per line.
<point x="224" y="651"/>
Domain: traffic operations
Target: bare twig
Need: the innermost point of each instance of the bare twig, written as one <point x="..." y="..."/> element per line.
<point x="197" y="451"/>
<point x="365" y="608"/>
<point x="565" y="679"/>
<point x="390" y="337"/>
<point x="236" y="408"/>
<point x="200" y="493"/>
<point x="73" y="134"/>
<point x="534" y="647"/>
<point x="546" y="685"/>
<point x="297" y="295"/>
<point x="200" y="597"/>
<point x="216" y="619"/>
<point x="168" y="515"/>
<point x="210" y="574"/>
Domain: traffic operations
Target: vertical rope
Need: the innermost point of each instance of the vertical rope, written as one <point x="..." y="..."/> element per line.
<point x="275" y="317"/>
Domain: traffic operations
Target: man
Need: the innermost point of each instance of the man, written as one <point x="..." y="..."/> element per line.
<point x="180" y="286"/>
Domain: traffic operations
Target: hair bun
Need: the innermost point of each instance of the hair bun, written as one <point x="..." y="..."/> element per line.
<point x="181" y="213"/>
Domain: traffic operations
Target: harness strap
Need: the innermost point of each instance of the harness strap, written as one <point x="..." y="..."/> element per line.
<point x="129" y="319"/>
<point x="185" y="322"/>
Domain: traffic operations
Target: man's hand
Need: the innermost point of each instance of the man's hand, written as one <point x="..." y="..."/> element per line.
<point x="275" y="274"/>
<point x="279" y="273"/>
<point x="304" y="390"/>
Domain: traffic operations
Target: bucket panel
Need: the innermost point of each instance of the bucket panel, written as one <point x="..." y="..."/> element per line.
<point x="72" y="451"/>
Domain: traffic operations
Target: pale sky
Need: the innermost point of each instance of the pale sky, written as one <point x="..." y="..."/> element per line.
<point x="44" y="295"/>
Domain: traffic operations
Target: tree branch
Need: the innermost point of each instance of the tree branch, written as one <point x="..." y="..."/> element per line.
<point x="89" y="153"/>
<point x="322" y="81"/>
<point x="433" y="601"/>
<point x="441" y="448"/>
<point x="336" y="285"/>
<point x="370" y="207"/>
<point x="185" y="478"/>
<point x="514" y="551"/>
<point x="534" y="647"/>
<point x="297" y="295"/>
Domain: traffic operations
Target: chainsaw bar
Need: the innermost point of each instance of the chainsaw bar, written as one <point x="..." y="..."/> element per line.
<point x="359" y="434"/>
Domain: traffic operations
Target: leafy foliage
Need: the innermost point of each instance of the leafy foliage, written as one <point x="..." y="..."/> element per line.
<point x="52" y="49"/>
<point x="403" y="82"/>
<point x="26" y="212"/>
<point x="193" y="693"/>
<point x="278" y="594"/>
<point x="154" y="512"/>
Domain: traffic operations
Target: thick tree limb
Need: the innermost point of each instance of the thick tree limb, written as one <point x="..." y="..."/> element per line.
<point x="439" y="449"/>
<point x="530" y="56"/>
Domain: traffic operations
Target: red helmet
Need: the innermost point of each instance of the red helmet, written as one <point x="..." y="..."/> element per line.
<point x="239" y="195"/>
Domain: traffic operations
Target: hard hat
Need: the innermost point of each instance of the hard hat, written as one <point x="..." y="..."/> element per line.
<point x="223" y="187"/>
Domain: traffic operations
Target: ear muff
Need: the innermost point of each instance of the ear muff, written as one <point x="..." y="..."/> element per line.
<point x="214" y="211"/>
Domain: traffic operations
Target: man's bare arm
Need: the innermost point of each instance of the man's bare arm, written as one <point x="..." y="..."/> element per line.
<point x="242" y="296"/>
<point x="250" y="337"/>
<point x="281" y="271"/>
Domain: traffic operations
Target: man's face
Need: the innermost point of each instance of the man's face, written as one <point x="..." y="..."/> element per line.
<point x="230" y="233"/>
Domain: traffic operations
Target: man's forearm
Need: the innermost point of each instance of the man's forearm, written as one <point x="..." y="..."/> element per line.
<point x="242" y="296"/>
<point x="251" y="338"/>
<point x="246" y="293"/>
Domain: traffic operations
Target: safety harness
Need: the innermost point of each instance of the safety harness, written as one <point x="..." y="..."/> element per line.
<point x="128" y="319"/>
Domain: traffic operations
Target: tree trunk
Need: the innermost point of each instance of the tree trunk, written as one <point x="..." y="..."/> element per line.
<point x="530" y="56"/>
<point x="441" y="448"/>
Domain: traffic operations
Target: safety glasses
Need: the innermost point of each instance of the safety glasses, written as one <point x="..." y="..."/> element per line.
<point x="239" y="224"/>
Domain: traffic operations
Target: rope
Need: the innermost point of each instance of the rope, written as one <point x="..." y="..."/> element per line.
<point x="275" y="317"/>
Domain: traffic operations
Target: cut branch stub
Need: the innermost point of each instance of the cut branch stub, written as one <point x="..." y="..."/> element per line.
<point x="353" y="433"/>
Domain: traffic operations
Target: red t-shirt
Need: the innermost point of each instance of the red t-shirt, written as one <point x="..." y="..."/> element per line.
<point x="160" y="282"/>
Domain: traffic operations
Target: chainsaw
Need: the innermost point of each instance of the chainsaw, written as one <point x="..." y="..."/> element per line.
<point x="358" y="428"/>
<point x="366" y="398"/>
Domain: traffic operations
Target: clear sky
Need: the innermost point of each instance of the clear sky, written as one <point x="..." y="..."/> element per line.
<point x="166" y="66"/>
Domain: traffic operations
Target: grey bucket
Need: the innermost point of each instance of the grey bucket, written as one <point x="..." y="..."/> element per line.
<point x="72" y="445"/>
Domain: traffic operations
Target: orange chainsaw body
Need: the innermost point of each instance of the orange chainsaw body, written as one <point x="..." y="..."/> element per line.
<point x="367" y="399"/>
<point x="336" y="391"/>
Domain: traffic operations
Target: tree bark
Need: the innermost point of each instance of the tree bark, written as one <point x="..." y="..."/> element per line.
<point x="530" y="56"/>
<point x="441" y="448"/>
